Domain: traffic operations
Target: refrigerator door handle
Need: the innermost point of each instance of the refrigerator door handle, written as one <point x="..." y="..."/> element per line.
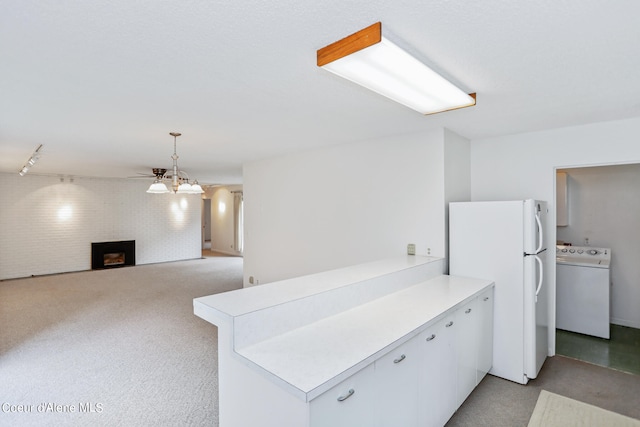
<point x="540" y="242"/>
<point x="539" y="261"/>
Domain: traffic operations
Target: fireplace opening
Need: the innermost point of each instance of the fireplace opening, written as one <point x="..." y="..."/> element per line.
<point x="113" y="254"/>
<point x="116" y="258"/>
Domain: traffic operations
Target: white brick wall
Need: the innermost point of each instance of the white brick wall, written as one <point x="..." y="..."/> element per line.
<point x="47" y="226"/>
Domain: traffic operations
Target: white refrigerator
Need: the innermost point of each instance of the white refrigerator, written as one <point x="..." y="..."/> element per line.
<point x="504" y="242"/>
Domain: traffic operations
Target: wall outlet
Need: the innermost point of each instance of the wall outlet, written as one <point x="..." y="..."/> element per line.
<point x="411" y="249"/>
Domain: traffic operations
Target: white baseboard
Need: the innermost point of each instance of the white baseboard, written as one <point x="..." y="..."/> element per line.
<point x="222" y="251"/>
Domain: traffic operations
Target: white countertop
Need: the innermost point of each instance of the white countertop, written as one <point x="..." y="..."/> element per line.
<point x="309" y="333"/>
<point x="311" y="359"/>
<point x="247" y="300"/>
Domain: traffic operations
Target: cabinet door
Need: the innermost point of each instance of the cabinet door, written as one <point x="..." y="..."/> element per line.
<point x="348" y="404"/>
<point x="485" y="350"/>
<point x="467" y="341"/>
<point x="438" y="373"/>
<point x="562" y="217"/>
<point x="397" y="384"/>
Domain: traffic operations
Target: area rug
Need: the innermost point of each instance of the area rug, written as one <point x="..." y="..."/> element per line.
<point x="553" y="410"/>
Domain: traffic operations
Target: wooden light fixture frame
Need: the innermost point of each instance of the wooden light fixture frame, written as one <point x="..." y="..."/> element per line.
<point x="361" y="40"/>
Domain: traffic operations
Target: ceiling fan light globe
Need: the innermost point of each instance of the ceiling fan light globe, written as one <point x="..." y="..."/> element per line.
<point x="157" y="188"/>
<point x="184" y="188"/>
<point x="196" y="188"/>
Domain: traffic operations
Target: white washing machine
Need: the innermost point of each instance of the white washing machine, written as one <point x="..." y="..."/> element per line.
<point x="583" y="289"/>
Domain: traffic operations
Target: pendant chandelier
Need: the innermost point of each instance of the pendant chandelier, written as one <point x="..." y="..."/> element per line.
<point x="179" y="179"/>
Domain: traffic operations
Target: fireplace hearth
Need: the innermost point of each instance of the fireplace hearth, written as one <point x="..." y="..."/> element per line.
<point x="113" y="254"/>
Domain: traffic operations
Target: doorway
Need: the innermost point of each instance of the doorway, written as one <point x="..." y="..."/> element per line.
<point x="222" y="220"/>
<point x="602" y="211"/>
<point x="206" y="224"/>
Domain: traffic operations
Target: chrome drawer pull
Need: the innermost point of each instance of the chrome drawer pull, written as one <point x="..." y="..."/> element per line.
<point x="467" y="311"/>
<point x="449" y="324"/>
<point x="346" y="396"/>
<point x="400" y="359"/>
<point x="431" y="337"/>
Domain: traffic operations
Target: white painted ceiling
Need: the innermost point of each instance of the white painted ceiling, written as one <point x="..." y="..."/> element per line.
<point x="102" y="83"/>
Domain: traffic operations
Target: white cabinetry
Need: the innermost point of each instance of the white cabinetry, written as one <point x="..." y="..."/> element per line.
<point x="562" y="200"/>
<point x="421" y="382"/>
<point x="457" y="353"/>
<point x="485" y="358"/>
<point x="383" y="394"/>
<point x="397" y="399"/>
<point x="438" y="373"/>
<point x="350" y="403"/>
<point x="468" y="332"/>
<point x="381" y="345"/>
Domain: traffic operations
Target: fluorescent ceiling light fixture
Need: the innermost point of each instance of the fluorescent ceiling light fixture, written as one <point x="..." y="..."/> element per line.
<point x="372" y="61"/>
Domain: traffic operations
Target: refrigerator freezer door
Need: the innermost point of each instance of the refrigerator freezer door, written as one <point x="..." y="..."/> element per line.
<point x="535" y="215"/>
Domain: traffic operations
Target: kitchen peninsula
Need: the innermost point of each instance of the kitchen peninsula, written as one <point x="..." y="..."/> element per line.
<point x="392" y="342"/>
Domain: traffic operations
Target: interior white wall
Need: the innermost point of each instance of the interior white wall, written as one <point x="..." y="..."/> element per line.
<point x="523" y="166"/>
<point x="603" y="209"/>
<point x="457" y="176"/>
<point x="343" y="205"/>
<point x="47" y="225"/>
<point x="222" y="223"/>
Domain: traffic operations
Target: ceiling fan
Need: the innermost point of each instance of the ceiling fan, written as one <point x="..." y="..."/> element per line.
<point x="156" y="173"/>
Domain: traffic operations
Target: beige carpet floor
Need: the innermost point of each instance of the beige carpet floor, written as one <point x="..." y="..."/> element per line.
<point x="112" y="347"/>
